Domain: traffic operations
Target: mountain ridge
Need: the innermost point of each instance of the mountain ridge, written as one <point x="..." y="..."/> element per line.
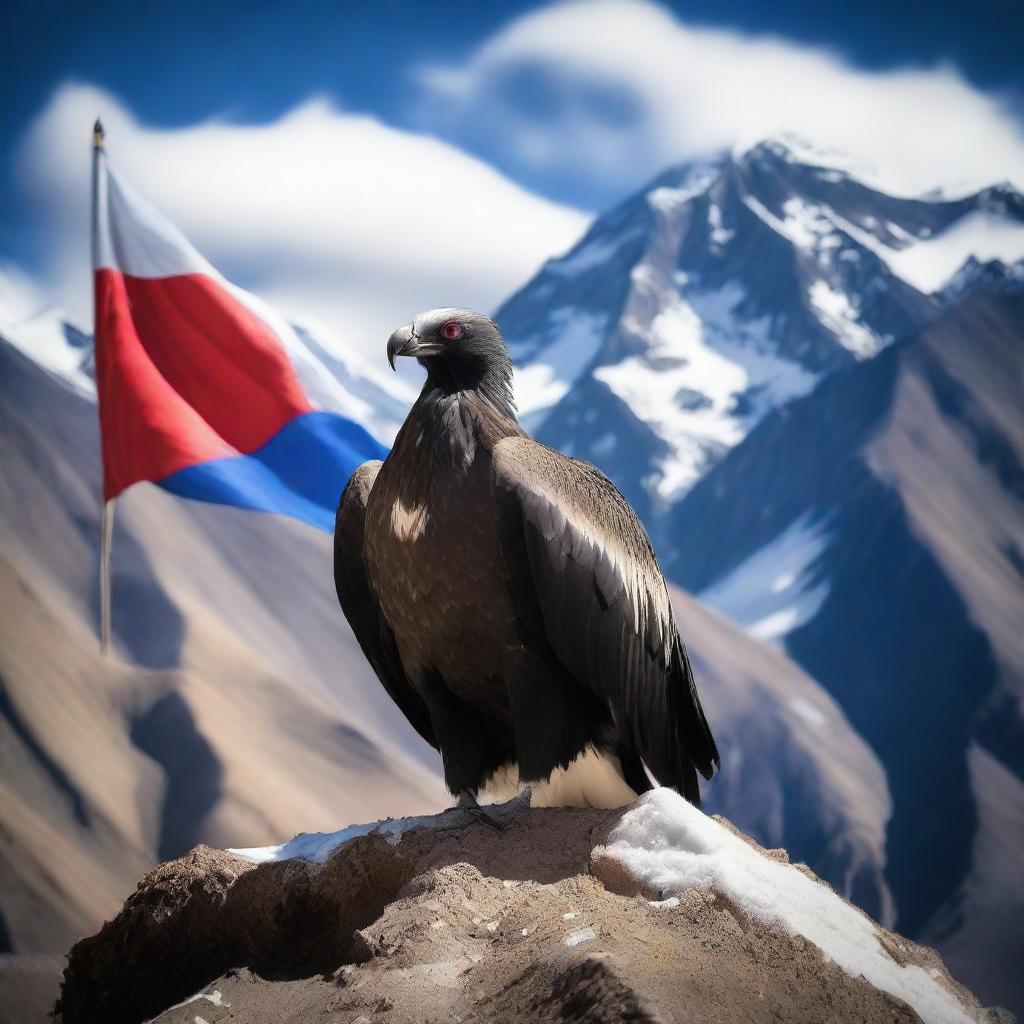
<point x="720" y="291"/>
<point x="905" y="476"/>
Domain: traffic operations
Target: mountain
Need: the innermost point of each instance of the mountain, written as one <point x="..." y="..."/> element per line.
<point x="874" y="529"/>
<point x="54" y="344"/>
<point x="236" y="702"/>
<point x="722" y="291"/>
<point x="337" y="378"/>
<point x="652" y="913"/>
<point x="237" y="706"/>
<point x="983" y="275"/>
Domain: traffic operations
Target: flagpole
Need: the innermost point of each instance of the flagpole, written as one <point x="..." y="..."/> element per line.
<point x="108" y="532"/>
<point x="107" y="528"/>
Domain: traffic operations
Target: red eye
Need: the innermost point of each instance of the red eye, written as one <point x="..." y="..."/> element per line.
<point x="452" y="330"/>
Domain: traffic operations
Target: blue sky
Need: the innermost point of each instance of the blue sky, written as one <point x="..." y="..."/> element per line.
<point x="566" y="106"/>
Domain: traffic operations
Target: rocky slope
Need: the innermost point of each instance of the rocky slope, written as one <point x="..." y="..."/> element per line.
<point x="875" y="530"/>
<point x="654" y="913"/>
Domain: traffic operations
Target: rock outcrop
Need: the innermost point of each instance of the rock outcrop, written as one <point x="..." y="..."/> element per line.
<point x="652" y="913"/>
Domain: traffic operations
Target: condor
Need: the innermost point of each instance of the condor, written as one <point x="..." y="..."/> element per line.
<point x="509" y="599"/>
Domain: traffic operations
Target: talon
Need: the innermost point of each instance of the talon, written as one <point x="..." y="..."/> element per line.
<point x="501" y="816"/>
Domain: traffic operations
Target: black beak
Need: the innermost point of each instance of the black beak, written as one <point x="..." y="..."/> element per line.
<point x="404" y="342"/>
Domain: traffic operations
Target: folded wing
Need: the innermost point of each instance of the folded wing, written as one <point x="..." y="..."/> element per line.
<point x="359" y="603"/>
<point x="586" y="580"/>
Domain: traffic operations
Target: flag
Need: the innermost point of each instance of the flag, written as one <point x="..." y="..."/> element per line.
<point x="197" y="392"/>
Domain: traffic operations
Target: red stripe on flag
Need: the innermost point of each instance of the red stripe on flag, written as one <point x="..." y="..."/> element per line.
<point x="185" y="373"/>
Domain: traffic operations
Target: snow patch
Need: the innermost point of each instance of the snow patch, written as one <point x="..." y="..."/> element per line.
<point x="807" y="226"/>
<point x="318" y="847"/>
<point x="832" y="164"/>
<point x="769" y="594"/>
<point x="926" y="263"/>
<point x="44" y="339"/>
<point x="670" y="904"/>
<point x="667" y="199"/>
<point x="547" y="378"/>
<point x="671" y="846"/>
<point x="841" y="317"/>
<point x="760" y="210"/>
<point x="929" y="263"/>
<point x="719" y="234"/>
<point x="215" y="997"/>
<point x="702" y="355"/>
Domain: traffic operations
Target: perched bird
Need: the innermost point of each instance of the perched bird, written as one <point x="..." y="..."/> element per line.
<point x="508" y="597"/>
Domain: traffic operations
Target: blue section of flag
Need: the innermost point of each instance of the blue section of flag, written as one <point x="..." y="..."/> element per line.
<point x="300" y="472"/>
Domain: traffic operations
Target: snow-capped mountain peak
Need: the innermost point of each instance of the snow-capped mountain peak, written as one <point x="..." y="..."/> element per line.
<point x="49" y="339"/>
<point x="723" y="290"/>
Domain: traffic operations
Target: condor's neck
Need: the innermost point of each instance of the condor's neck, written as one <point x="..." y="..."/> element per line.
<point x="446" y="428"/>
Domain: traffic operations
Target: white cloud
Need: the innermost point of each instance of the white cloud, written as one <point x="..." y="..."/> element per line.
<point x="619" y="89"/>
<point x="326" y="214"/>
<point x="20" y="297"/>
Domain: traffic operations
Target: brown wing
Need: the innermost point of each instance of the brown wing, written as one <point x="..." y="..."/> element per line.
<point x="586" y="580"/>
<point x="360" y="605"/>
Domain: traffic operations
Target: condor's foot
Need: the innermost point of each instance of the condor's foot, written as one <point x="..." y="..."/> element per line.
<point x="496" y="816"/>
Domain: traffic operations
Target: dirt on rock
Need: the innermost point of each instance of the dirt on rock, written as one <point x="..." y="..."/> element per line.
<point x="531" y="924"/>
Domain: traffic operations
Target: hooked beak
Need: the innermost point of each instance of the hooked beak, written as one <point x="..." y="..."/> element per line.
<point x="404" y="342"/>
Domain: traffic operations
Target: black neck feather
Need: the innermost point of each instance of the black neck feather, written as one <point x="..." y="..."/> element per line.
<point x="449" y="423"/>
<point x="488" y="380"/>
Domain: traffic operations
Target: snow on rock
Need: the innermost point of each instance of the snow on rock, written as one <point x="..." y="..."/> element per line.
<point x="701" y="357"/>
<point x="667" y="199"/>
<point x="527" y="923"/>
<point x="318" y="847"/>
<point x="929" y="263"/>
<point x="771" y="592"/>
<point x="926" y="261"/>
<point x="671" y="846"/>
<point x="840" y="316"/>
<point x="719" y="234"/>
<point x="831" y="164"/>
<point x="652" y="389"/>
<point x="579" y="935"/>
<point x="542" y="383"/>
<point x="52" y="343"/>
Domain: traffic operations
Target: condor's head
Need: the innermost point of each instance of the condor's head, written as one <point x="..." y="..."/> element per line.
<point x="461" y="351"/>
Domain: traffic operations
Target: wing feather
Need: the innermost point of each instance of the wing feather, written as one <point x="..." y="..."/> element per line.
<point x="359" y="603"/>
<point x="587" y="581"/>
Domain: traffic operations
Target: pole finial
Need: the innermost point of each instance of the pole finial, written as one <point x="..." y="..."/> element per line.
<point x="98" y="134"/>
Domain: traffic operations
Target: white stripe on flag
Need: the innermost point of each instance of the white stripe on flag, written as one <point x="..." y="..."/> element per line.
<point x="137" y="239"/>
